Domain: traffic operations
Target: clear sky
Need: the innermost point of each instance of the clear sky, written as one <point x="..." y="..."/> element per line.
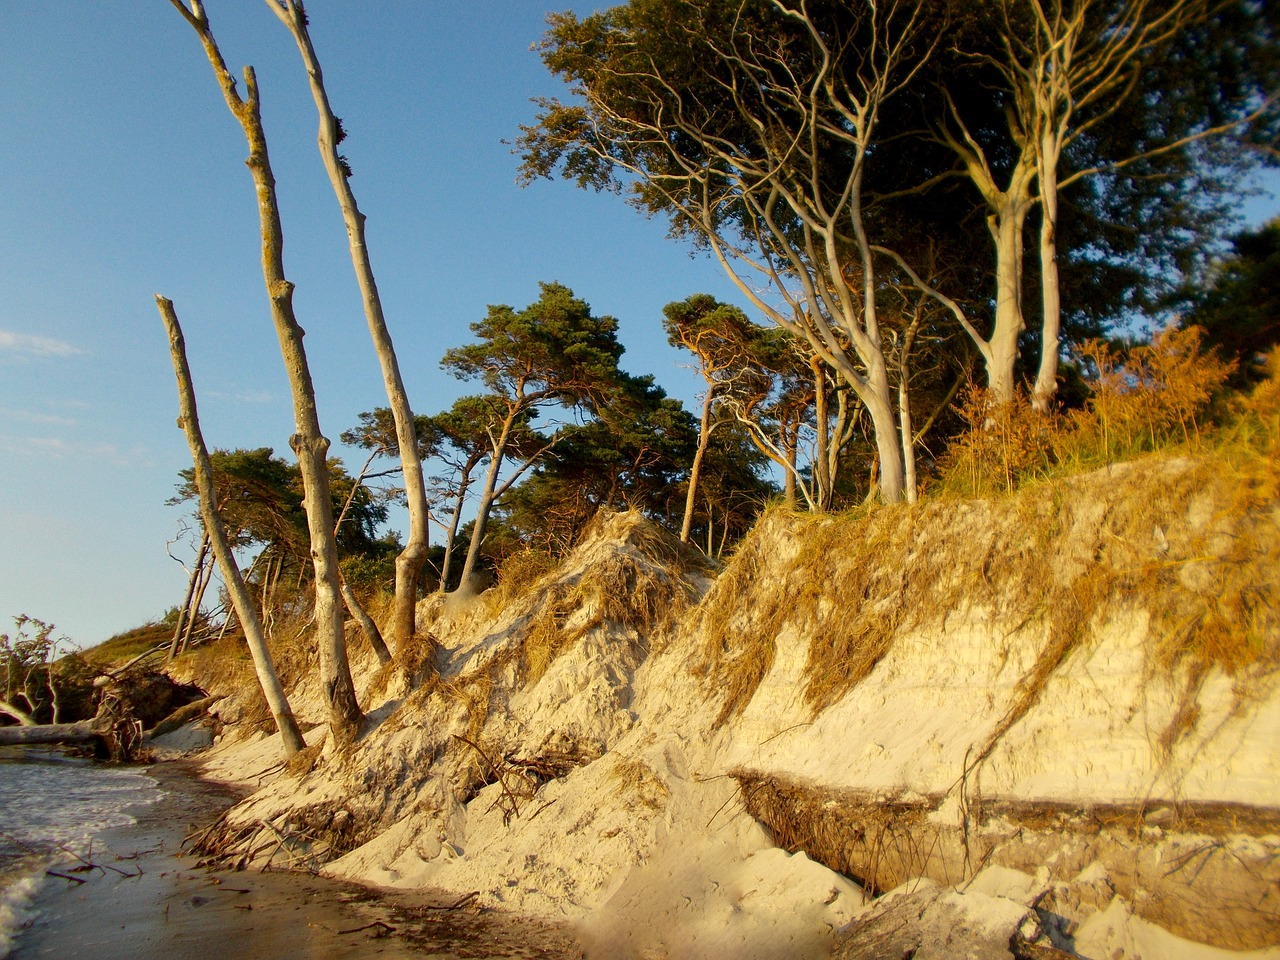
<point x="123" y="177"/>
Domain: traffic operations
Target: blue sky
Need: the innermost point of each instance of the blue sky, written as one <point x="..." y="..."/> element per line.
<point x="124" y="177"/>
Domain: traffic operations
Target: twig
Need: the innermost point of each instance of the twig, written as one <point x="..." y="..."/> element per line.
<point x="369" y="926"/>
<point x="461" y="902"/>
<point x="794" y="726"/>
<point x="502" y="781"/>
<point x="64" y="876"/>
<point x="733" y="796"/>
<point x="91" y="865"/>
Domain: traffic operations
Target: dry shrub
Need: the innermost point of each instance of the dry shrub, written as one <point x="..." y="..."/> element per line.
<point x="1004" y="445"/>
<point x="1194" y="544"/>
<point x="1154" y="396"/>
<point x="1257" y="422"/>
<point x="517" y="574"/>
<point x="1146" y="398"/>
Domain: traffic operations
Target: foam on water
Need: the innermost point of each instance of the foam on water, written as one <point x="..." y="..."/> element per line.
<point x="51" y="808"/>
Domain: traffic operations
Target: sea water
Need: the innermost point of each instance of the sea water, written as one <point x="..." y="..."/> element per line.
<point x="51" y="808"/>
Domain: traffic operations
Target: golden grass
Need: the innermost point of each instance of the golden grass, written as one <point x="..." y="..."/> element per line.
<point x="1193" y="543"/>
<point x="641" y="782"/>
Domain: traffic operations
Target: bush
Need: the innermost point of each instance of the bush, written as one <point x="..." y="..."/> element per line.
<point x="1146" y="398"/>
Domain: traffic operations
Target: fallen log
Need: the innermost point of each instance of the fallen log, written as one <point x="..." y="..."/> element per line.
<point x="82" y="732"/>
<point x="180" y="717"/>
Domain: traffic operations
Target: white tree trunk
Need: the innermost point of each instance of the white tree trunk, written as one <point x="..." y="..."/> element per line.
<point x="1007" y="228"/>
<point x="414" y="555"/>
<point x="189" y="421"/>
<point x="308" y="442"/>
<point x="695" y="469"/>
<point x="1050" y="290"/>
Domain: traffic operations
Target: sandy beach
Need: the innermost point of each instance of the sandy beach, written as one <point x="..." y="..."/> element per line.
<point x="146" y="898"/>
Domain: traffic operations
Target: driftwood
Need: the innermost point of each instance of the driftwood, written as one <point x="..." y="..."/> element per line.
<point x="85" y="731"/>
<point x="113" y="729"/>
<point x="181" y="716"/>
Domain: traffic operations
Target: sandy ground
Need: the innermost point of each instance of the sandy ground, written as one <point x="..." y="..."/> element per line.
<point x="147" y="899"/>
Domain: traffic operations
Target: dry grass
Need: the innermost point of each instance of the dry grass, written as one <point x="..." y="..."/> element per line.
<point x="636" y="779"/>
<point x="1194" y="544"/>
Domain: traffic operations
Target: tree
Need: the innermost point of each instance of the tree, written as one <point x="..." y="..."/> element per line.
<point x="308" y="442"/>
<point x="188" y="420"/>
<point x="1237" y="303"/>
<point x="732" y="491"/>
<point x="631" y="454"/>
<point x="554" y="352"/>
<point x="29" y="691"/>
<point x="720" y="336"/>
<point x="1042" y="95"/>
<point x="751" y="125"/>
<point x="414" y="555"/>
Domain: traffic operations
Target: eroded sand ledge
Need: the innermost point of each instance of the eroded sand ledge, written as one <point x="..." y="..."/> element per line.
<point x="635" y="746"/>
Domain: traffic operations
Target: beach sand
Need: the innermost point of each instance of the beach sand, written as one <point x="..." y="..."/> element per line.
<point x="147" y="900"/>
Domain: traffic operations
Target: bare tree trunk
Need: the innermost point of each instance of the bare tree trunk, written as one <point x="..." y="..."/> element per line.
<point x="193" y="614"/>
<point x="695" y="470"/>
<point x="464" y="483"/>
<point x="186" y="600"/>
<point x="487" y="497"/>
<point x="904" y="411"/>
<point x="308" y="443"/>
<point x="822" y="421"/>
<point x="17" y="713"/>
<point x="1050" y="291"/>
<point x="82" y="732"/>
<point x="370" y="629"/>
<point x="414" y="555"/>
<point x="493" y="492"/>
<point x="789" y="446"/>
<point x="214" y="529"/>
<point x="1002" y="355"/>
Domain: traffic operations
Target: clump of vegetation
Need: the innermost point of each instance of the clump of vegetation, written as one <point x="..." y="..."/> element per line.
<point x="635" y="586"/>
<point x="39" y="681"/>
<point x="1148" y="397"/>
<point x="639" y="780"/>
<point x="1190" y="542"/>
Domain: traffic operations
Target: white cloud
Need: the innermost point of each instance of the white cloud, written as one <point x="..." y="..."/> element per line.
<point x="30" y="345"/>
<point x="31" y="416"/>
<point x="55" y="448"/>
<point x="241" y="396"/>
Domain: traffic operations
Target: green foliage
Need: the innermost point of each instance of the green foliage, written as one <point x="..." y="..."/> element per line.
<point x="732" y="490"/>
<point x="260" y="499"/>
<point x="631" y="455"/>
<point x="554" y="350"/>
<point x="377" y="432"/>
<point x="1239" y="306"/>
<point x="34" y="681"/>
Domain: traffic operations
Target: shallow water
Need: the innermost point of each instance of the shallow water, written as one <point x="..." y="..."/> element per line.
<point x="51" y="808"/>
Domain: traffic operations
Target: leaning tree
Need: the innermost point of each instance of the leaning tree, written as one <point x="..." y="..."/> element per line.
<point x="751" y="125"/>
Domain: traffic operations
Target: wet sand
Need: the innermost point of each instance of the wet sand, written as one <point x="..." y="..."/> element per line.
<point x="145" y="900"/>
